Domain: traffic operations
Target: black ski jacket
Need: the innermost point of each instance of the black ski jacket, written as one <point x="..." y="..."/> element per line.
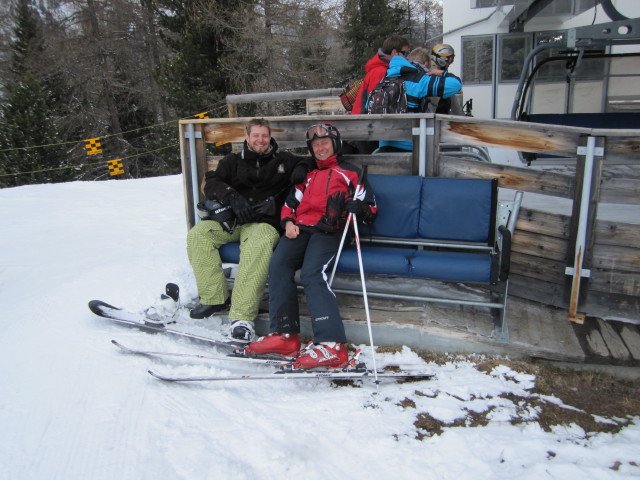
<point x="255" y="177"/>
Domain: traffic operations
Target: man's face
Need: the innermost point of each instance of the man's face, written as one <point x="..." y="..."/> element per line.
<point x="404" y="51"/>
<point x="322" y="148"/>
<point x="259" y="139"/>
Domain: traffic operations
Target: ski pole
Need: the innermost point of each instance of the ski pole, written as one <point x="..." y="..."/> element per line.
<point x="359" y="188"/>
<point x="352" y="218"/>
<point x="366" y="300"/>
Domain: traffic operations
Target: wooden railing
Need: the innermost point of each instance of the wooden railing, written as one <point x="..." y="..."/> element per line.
<point x="573" y="261"/>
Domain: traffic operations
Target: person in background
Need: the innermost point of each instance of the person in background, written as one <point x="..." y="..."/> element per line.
<point x="442" y="56"/>
<point x="314" y="216"/>
<point x="254" y="184"/>
<point x="375" y="70"/>
<point x="420" y="86"/>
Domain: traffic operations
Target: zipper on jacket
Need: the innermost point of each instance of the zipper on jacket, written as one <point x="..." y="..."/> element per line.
<point x="326" y="188"/>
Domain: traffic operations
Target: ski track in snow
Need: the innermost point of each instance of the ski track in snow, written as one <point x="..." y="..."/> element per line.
<point x="75" y="407"/>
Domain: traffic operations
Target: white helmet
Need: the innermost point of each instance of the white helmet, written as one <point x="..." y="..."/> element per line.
<point x="442" y="55"/>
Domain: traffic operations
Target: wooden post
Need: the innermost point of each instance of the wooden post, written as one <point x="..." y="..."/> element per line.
<point x="233" y="110"/>
<point x="585" y="207"/>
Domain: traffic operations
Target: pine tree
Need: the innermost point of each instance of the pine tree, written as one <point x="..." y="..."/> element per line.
<point x="198" y="33"/>
<point x="367" y="24"/>
<point x="26" y="122"/>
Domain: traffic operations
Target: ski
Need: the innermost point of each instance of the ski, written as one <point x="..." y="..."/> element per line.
<point x="299" y="375"/>
<point x="263" y="360"/>
<point x="139" y="320"/>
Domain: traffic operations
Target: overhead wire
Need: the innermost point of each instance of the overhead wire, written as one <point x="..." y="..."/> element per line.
<point x="213" y="108"/>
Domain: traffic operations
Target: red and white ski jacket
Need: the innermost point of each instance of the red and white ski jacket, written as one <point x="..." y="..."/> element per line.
<point x="306" y="204"/>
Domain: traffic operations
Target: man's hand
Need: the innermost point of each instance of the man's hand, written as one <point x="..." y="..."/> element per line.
<point x="266" y="206"/>
<point x="333" y="215"/>
<point x="291" y="230"/>
<point x="357" y="207"/>
<point x="242" y="208"/>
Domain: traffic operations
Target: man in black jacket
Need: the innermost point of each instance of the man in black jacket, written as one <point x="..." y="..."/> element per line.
<point x="254" y="183"/>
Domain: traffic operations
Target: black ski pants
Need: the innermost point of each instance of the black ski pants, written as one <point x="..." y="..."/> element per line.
<point x="313" y="253"/>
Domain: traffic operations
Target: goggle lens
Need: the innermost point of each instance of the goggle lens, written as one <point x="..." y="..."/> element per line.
<point x="320" y="131"/>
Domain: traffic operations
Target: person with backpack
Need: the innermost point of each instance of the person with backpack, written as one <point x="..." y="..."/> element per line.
<point x="254" y="184"/>
<point x="314" y="216"/>
<point x="376" y="69"/>
<point x="410" y="88"/>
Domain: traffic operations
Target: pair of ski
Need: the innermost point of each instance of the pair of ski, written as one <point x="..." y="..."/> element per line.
<point x="285" y="371"/>
<point x="172" y="326"/>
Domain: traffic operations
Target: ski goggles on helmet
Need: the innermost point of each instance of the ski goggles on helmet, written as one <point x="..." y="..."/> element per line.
<point x="322" y="130"/>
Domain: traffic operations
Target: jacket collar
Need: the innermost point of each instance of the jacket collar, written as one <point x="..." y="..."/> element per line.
<point x="328" y="163"/>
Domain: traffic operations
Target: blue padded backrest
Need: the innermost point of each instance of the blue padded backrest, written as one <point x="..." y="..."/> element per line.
<point x="458" y="209"/>
<point x="397" y="198"/>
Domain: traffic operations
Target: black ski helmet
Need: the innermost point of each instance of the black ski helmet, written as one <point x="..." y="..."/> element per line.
<point x="214" y="210"/>
<point x="321" y="130"/>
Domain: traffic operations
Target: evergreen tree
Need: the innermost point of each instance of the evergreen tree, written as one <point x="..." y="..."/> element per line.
<point x="198" y="33"/>
<point x="26" y="122"/>
<point x="310" y="54"/>
<point x="367" y="24"/>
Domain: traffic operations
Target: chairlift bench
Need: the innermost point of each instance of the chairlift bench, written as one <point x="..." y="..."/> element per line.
<point x="445" y="229"/>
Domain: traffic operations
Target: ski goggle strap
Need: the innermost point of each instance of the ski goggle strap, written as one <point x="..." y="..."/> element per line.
<point x="321" y="130"/>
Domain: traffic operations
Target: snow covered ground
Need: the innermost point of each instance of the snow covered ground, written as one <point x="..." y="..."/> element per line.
<point x="73" y="407"/>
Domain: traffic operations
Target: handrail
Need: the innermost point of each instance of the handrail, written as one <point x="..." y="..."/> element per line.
<point x="276" y="96"/>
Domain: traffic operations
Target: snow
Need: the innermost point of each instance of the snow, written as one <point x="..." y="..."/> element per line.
<point x="73" y="406"/>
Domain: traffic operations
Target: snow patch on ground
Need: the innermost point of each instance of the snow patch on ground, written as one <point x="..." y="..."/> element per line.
<point x="73" y="406"/>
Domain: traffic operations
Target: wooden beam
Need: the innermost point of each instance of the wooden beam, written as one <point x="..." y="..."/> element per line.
<point x="522" y="136"/>
<point x="543" y="223"/>
<point x="617" y="259"/>
<point x="516" y="178"/>
<point x="622" y="190"/>
<point x="617" y="233"/>
<point x="543" y="246"/>
<point x="276" y="96"/>
<point x="542" y="269"/>
<point x="622" y="283"/>
<point x="293" y="129"/>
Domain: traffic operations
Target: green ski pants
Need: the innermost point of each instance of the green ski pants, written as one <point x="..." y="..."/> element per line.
<point x="257" y="241"/>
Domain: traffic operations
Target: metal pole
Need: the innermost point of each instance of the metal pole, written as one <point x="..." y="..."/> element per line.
<point x="344" y="235"/>
<point x="581" y="236"/>
<point x="366" y="300"/>
<point x="423" y="147"/>
<point x="191" y="133"/>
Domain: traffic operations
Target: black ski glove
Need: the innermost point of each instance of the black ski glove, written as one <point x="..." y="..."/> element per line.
<point x="242" y="208"/>
<point x="299" y="173"/>
<point x="266" y="206"/>
<point x="357" y="207"/>
<point x="333" y="217"/>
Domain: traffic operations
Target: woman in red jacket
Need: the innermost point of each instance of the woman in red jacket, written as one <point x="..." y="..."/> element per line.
<point x="314" y="216"/>
<point x="376" y="69"/>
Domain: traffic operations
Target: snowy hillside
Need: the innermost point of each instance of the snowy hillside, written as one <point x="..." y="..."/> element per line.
<point x="73" y="407"/>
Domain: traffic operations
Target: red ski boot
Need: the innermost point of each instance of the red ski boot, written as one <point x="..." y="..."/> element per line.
<point x="324" y="355"/>
<point x="287" y="345"/>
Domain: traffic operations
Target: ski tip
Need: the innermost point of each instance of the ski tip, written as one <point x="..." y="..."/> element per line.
<point x="96" y="306"/>
<point x="160" y="377"/>
<point x="172" y="290"/>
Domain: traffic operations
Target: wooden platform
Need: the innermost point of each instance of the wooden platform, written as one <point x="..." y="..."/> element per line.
<point x="537" y="331"/>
